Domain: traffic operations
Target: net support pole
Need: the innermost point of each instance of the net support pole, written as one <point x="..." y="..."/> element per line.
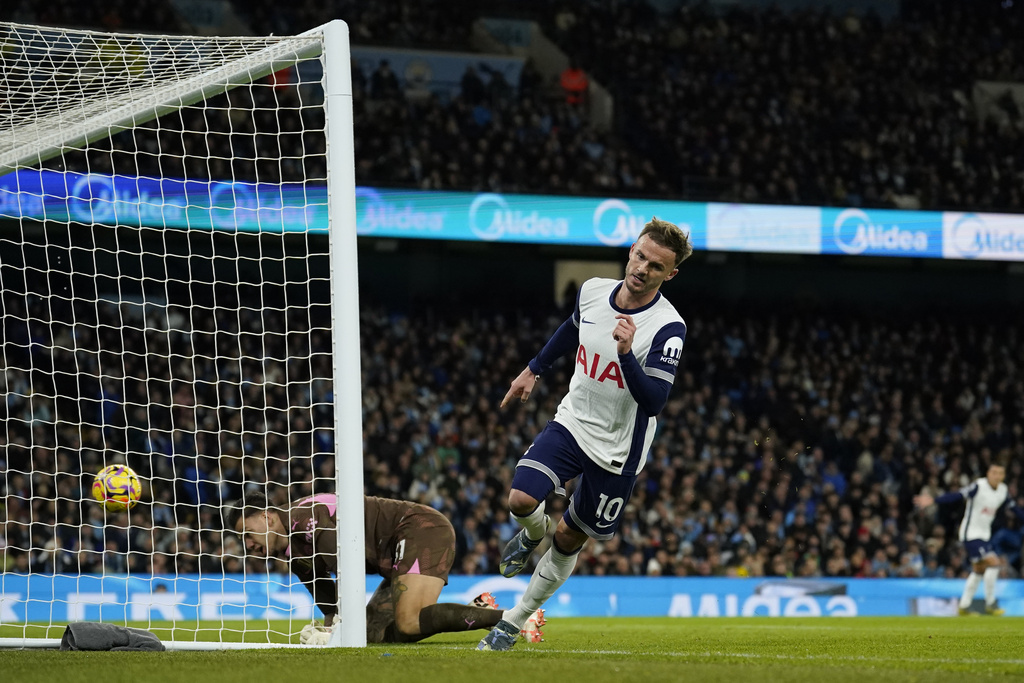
<point x="348" y="419"/>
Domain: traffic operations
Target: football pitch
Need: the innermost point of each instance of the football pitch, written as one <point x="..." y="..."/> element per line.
<point x="589" y="651"/>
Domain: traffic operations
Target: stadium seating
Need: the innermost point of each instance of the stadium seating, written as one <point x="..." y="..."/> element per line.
<point x="791" y="445"/>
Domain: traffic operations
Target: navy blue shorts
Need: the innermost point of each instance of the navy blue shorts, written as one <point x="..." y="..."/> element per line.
<point x="978" y="550"/>
<point x="553" y="460"/>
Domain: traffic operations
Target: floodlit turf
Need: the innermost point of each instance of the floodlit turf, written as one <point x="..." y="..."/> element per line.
<point x="737" y="650"/>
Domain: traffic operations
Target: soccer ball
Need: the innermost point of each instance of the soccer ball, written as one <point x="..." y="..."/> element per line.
<point x="117" y="487"/>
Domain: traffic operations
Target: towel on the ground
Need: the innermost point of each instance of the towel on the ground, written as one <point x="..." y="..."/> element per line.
<point x="87" y="635"/>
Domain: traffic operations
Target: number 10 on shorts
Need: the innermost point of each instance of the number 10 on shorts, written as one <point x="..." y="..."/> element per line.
<point x="609" y="509"/>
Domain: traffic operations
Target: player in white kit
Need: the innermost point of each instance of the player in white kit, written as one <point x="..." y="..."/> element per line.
<point x="627" y="339"/>
<point x="985" y="497"/>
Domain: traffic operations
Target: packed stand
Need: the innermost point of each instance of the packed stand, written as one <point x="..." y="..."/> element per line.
<point x="492" y="135"/>
<point x="154" y="16"/>
<point x="791" y="445"/>
<point x="759" y="105"/>
<point x="196" y="401"/>
<point x="428" y="24"/>
<point x="740" y="104"/>
<point x="491" y="138"/>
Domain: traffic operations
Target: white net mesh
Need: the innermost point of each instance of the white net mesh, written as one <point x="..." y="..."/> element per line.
<point x="165" y="305"/>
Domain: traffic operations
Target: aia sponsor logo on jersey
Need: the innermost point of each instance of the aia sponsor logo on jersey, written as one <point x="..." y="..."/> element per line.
<point x="595" y="368"/>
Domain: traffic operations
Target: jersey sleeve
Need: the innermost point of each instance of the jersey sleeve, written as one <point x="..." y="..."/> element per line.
<point x="575" y="317"/>
<point x="666" y="351"/>
<point x="315" y="576"/>
<point x="565" y="340"/>
<point x="650" y="385"/>
<point x="317" y="572"/>
<point x="956" y="496"/>
<point x="649" y="392"/>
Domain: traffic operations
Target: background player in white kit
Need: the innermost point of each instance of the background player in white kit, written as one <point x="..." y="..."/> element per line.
<point x="628" y="340"/>
<point x="985" y="497"/>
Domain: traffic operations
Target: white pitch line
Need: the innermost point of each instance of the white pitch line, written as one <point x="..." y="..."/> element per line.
<point x="753" y="655"/>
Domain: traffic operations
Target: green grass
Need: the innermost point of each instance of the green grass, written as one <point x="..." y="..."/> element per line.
<point x="619" y="650"/>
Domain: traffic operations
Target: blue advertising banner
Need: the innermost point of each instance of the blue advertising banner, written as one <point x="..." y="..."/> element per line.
<point x="94" y="199"/>
<point x="492" y="217"/>
<point x="763" y="228"/>
<point x="983" y="236"/>
<point x="36" y="597"/>
<point x="878" y="232"/>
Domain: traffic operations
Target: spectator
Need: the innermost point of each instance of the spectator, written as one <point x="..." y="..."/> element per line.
<point x="575" y="84"/>
<point x="717" y="497"/>
<point x="473" y="89"/>
<point x="384" y="82"/>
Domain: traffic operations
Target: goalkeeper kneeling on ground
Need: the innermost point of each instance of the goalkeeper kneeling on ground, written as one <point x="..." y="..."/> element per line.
<point x="411" y="546"/>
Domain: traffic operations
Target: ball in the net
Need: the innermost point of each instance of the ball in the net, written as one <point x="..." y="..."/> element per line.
<point x="117" y="487"/>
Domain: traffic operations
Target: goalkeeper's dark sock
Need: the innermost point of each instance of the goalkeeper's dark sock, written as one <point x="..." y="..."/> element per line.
<point x="448" y="617"/>
<point x="391" y="634"/>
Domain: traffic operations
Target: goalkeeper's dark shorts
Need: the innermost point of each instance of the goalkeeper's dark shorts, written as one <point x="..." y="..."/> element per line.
<point x="423" y="543"/>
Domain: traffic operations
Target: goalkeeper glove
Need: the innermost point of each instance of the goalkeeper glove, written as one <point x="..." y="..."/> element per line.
<point x="314" y="633"/>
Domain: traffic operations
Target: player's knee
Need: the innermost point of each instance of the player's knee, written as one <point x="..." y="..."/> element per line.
<point x="521" y="503"/>
<point x="408" y="625"/>
<point x="568" y="540"/>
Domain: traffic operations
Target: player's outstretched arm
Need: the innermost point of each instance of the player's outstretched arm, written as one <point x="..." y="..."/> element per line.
<point x="924" y="500"/>
<point x="522" y="387"/>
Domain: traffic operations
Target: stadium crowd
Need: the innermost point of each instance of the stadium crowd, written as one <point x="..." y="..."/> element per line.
<point x="110" y="15"/>
<point x="791" y="446"/>
<point x="738" y="105"/>
<point x="803" y="108"/>
<point x="751" y="104"/>
<point x="815" y="108"/>
<point x="745" y="105"/>
<point x="792" y="443"/>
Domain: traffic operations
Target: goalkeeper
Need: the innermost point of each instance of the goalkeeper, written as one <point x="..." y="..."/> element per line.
<point x="411" y="545"/>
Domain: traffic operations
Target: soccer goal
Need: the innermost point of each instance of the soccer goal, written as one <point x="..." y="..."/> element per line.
<point x="179" y="296"/>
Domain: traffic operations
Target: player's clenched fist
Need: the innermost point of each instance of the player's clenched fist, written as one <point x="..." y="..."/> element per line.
<point x="623" y="333"/>
<point x="521" y="387"/>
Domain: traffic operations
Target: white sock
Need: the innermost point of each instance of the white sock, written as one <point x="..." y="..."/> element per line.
<point x="991" y="574"/>
<point x="551" y="572"/>
<point x="535" y="523"/>
<point x="970" y="588"/>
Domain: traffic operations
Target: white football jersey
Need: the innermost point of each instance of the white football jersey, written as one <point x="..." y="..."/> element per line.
<point x="983" y="502"/>
<point x="599" y="410"/>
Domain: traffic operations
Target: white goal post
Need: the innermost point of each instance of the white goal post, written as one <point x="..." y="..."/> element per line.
<point x="178" y="294"/>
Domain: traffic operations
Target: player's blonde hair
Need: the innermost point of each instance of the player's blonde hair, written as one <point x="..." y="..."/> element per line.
<point x="669" y="235"/>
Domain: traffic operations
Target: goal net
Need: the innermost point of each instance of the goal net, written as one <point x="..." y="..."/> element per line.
<point x="170" y="289"/>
